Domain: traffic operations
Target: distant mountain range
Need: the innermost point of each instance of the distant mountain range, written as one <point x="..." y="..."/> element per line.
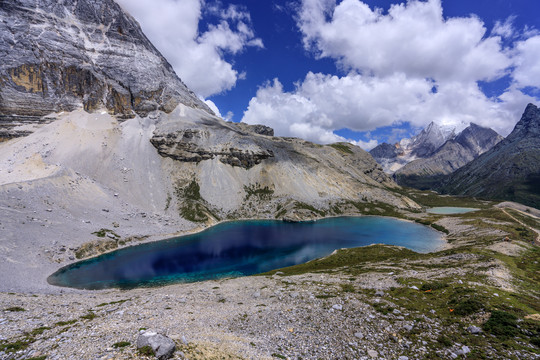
<point x="394" y="157"/>
<point x="436" y="151"/>
<point x="426" y="172"/>
<point x="508" y="171"/>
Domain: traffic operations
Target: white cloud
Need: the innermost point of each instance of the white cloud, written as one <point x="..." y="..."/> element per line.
<point x="527" y="61"/>
<point x="197" y="57"/>
<point x="212" y="107"/>
<point x="413" y="38"/>
<point x="408" y="65"/>
<point x="322" y="104"/>
<point x="504" y="29"/>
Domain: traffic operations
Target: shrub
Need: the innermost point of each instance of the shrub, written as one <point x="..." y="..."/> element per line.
<point x="146" y="350"/>
<point x="501" y="324"/>
<point x="467" y="306"/>
<point x="434" y="285"/>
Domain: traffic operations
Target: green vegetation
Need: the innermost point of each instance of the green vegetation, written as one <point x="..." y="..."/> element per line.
<point x="343" y="147"/>
<point x="16" y="346"/>
<point x="192" y="191"/>
<point x="279" y="356"/>
<point x="168" y="201"/>
<point x="40" y="330"/>
<point x="121" y="344"/>
<point x="302" y="205"/>
<point x="258" y="191"/>
<point x="106" y="232"/>
<point x="146" y="350"/>
<point x="502" y="324"/>
<point x="350" y="260"/>
<point x="15" y="309"/>
<point x="526" y="219"/>
<point x="434" y="285"/>
<point x="89" y="316"/>
<point x="192" y="206"/>
<point x="113" y="302"/>
<point x="64" y="323"/>
<point x="42" y="357"/>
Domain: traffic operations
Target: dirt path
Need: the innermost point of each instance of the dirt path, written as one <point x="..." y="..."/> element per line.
<point x="537" y="241"/>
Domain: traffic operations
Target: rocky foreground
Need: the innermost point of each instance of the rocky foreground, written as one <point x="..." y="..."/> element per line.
<point x="378" y="302"/>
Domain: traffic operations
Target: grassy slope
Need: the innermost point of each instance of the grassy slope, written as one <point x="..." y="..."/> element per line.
<point x="456" y="302"/>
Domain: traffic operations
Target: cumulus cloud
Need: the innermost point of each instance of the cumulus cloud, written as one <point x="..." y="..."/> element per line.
<point x="410" y="64"/>
<point x="322" y="104"/>
<point x="527" y="62"/>
<point x="413" y="38"/>
<point x="197" y="56"/>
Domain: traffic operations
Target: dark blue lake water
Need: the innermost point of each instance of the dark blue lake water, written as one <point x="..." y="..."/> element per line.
<point x="240" y="248"/>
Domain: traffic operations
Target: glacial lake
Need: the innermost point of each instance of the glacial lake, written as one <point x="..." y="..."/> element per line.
<point x="446" y="210"/>
<point x="240" y="248"/>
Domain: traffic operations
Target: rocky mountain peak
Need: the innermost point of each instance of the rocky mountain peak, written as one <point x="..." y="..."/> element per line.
<point x="430" y="139"/>
<point x="528" y="125"/>
<point x="64" y="55"/>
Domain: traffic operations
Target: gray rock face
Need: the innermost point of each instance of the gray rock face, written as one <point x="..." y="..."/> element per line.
<point x="423" y="145"/>
<point x="429" y="140"/>
<point x="62" y="55"/>
<point x="162" y="346"/>
<point x="386" y="151"/>
<point x="469" y="144"/>
<point x="509" y="171"/>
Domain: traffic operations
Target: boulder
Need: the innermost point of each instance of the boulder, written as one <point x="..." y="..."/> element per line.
<point x="162" y="346"/>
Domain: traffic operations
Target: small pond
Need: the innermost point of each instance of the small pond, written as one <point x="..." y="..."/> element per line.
<point x="450" y="210"/>
<point x="240" y="248"/>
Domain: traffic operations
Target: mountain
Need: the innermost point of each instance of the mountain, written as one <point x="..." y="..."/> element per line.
<point x="427" y="172"/>
<point x="127" y="151"/>
<point x="429" y="140"/>
<point x="509" y="171"/>
<point x="62" y="55"/>
<point x="423" y="145"/>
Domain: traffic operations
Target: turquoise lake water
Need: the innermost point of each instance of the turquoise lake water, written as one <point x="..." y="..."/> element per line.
<point x="450" y="210"/>
<point x="240" y="248"/>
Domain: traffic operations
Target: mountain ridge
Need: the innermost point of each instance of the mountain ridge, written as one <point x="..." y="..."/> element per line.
<point x="508" y="171"/>
<point x="426" y="173"/>
<point x="79" y="53"/>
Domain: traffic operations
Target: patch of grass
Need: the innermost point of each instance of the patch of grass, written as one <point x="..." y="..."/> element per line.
<point x="42" y="357"/>
<point x="445" y="341"/>
<point x="440" y="228"/>
<point x="39" y="330"/>
<point x="168" y="202"/>
<point x="121" y="344"/>
<point x="467" y="306"/>
<point x="15" y="309"/>
<point x="279" y="356"/>
<point x="113" y="302"/>
<point x="89" y="316"/>
<point x="343" y="147"/>
<point x="64" y="323"/>
<point x="103" y="232"/>
<point x="191" y="192"/>
<point x="433" y="285"/>
<point x="350" y="259"/>
<point x="302" y="205"/>
<point x="16" y="346"/>
<point x="501" y="324"/>
<point x="325" y="296"/>
<point x="193" y="212"/>
<point x="280" y="213"/>
<point x="146" y="350"/>
<point x="347" y="287"/>
<point x="383" y="309"/>
<point x="258" y="191"/>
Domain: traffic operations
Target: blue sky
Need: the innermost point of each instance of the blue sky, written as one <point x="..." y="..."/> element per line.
<point x="365" y="71"/>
